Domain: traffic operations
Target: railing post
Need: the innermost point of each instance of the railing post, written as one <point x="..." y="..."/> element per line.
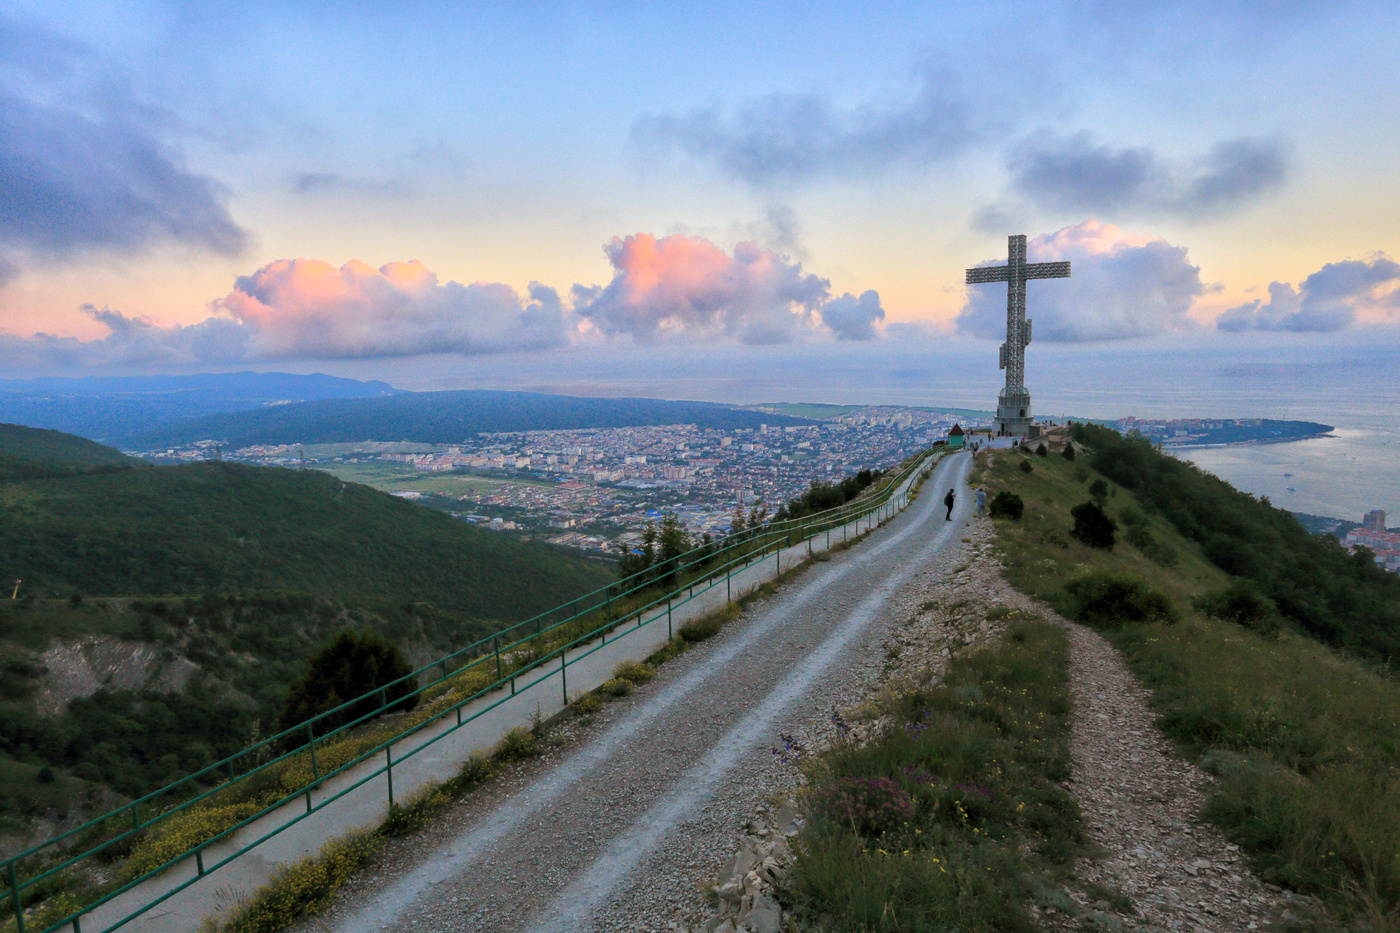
<point x="16" y="900"/>
<point x="564" y="676"/>
<point x="669" y="633"/>
<point x="199" y="861"/>
<point x="315" y="768"/>
<point x="497" y="642"/>
<point x="389" y="770"/>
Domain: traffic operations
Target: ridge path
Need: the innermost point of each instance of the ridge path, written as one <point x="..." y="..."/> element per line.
<point x="576" y="844"/>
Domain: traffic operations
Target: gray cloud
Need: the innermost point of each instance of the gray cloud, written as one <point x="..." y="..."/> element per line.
<point x="1328" y="300"/>
<point x="1121" y="286"/>
<point x="85" y="166"/>
<point x="788" y="137"/>
<point x="852" y="318"/>
<point x="313" y="183"/>
<point x="1076" y="174"/>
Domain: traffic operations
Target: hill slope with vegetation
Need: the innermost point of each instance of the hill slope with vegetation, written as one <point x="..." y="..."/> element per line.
<point x="1267" y="650"/>
<point x="27" y="453"/>
<point x="230" y="528"/>
<point x="189" y="597"/>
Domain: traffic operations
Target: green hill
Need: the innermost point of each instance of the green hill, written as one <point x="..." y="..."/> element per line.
<point x="35" y="452"/>
<point x="1268" y="651"/>
<point x="230" y="528"/>
<point x="202" y="589"/>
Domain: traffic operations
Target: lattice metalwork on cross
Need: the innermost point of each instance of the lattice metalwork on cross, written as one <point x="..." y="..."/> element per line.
<point x="1014" y="401"/>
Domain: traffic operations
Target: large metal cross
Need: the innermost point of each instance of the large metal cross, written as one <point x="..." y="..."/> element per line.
<point x="1018" y="329"/>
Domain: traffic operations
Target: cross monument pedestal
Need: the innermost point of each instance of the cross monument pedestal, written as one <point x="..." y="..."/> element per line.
<point x="1014" y="418"/>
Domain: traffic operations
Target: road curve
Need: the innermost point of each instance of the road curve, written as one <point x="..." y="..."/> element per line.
<point x="567" y="851"/>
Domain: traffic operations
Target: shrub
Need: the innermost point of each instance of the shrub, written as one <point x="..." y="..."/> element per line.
<point x="352" y="665"/>
<point x="1242" y="603"/>
<point x="1041" y="450"/>
<point x="638" y="672"/>
<point x="1108" y="600"/>
<point x="1068" y="452"/>
<point x="617" y="687"/>
<point x="870" y="805"/>
<point x="1026" y="467"/>
<point x="587" y="703"/>
<point x="516" y="744"/>
<point x="1093" y="526"/>
<point x="1006" y="505"/>
<point x="1098" y="490"/>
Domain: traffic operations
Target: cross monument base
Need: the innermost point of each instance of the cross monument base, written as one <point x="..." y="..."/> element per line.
<point x="1014" y="418"/>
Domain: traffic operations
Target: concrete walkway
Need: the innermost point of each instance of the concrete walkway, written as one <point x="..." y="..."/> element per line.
<point x="438" y="753"/>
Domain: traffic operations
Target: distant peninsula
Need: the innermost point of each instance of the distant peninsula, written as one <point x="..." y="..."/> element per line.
<point x="1222" y="432"/>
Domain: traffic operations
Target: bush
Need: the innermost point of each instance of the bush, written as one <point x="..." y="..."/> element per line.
<point x="1026" y="467"/>
<point x="617" y="687"/>
<point x="587" y="703"/>
<point x="1109" y="600"/>
<point x="353" y="664"/>
<point x="1068" y="452"/>
<point x="1041" y="451"/>
<point x="1006" y="505"/>
<point x="638" y="672"/>
<point x="1093" y="526"/>
<point x="1098" y="490"/>
<point x="868" y="805"/>
<point x="1242" y="603"/>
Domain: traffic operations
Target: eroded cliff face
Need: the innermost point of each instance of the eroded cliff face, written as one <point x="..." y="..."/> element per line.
<point x="80" y="668"/>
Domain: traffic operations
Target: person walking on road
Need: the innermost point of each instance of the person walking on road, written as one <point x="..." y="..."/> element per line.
<point x="948" y="500"/>
<point x="981" y="501"/>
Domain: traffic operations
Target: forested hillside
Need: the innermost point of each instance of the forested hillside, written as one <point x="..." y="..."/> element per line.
<point x="1342" y="599"/>
<point x="27" y="453"/>
<point x="230" y="528"/>
<point x="202" y="589"/>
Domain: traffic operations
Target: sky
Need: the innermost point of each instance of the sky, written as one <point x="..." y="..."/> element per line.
<point x="422" y="194"/>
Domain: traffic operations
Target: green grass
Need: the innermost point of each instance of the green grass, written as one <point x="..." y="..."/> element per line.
<point x="1305" y="740"/>
<point x="952" y="817"/>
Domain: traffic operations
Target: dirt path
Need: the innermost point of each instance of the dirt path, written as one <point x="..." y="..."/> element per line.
<point x="1141" y="803"/>
<point x="1142" y="807"/>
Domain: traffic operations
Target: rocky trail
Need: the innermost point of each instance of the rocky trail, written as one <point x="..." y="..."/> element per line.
<point x="635" y="819"/>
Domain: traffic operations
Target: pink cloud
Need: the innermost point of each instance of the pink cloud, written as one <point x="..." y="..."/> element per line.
<point x="683" y="285"/>
<point x="309" y="308"/>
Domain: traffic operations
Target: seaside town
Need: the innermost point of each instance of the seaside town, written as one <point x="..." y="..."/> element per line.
<point x="596" y="490"/>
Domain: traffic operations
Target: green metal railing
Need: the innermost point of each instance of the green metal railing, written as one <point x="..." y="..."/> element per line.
<point x="613" y="607"/>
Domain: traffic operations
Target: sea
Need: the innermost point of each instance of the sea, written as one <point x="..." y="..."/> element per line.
<point x="1350" y="381"/>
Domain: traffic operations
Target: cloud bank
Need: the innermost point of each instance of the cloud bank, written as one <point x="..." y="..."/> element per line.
<point x="1330" y="299"/>
<point x="309" y="308"/>
<point x="684" y="286"/>
<point x="85" y="166"/>
<point x="677" y="288"/>
<point x="1122" y="285"/>
<point x="1076" y="174"/>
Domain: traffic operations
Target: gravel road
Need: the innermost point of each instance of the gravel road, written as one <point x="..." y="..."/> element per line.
<point x="574" y="841"/>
